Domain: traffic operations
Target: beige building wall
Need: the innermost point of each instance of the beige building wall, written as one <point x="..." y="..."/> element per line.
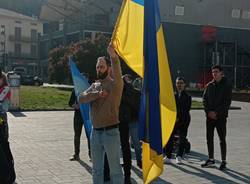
<point x="12" y="20"/>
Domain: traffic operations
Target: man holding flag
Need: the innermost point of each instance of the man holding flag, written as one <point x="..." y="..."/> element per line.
<point x="104" y="97"/>
<point x="138" y="39"/>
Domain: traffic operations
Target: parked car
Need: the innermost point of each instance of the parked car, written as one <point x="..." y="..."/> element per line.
<point x="31" y="80"/>
<point x="26" y="79"/>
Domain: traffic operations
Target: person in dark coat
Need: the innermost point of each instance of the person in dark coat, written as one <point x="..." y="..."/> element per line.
<point x="216" y="100"/>
<point x="78" y="124"/>
<point x="183" y="106"/>
<point x="7" y="170"/>
<point x="128" y="116"/>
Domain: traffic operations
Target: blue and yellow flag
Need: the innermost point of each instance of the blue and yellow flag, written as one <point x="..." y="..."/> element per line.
<point x="81" y="84"/>
<point x="138" y="38"/>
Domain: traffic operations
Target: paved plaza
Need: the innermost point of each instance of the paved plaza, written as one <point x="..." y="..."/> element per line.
<point x="42" y="143"/>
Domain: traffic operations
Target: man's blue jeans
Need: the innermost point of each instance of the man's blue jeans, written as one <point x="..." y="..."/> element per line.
<point x="133" y="130"/>
<point x="108" y="141"/>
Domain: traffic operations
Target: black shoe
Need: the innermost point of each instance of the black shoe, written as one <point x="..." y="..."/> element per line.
<point x="223" y="165"/>
<point x="74" y="158"/>
<point x="127" y="180"/>
<point x="208" y="163"/>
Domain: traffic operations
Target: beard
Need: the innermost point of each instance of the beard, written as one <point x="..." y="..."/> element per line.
<point x="102" y="75"/>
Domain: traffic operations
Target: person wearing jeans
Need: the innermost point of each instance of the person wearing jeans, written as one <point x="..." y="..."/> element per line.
<point x="133" y="132"/>
<point x="104" y="97"/>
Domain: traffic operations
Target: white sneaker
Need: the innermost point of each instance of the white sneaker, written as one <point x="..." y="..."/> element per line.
<point x="178" y="160"/>
<point x="166" y="160"/>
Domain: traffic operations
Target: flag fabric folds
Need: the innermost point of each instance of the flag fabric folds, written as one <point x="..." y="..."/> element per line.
<point x="140" y="42"/>
<point x="80" y="85"/>
<point x="128" y="34"/>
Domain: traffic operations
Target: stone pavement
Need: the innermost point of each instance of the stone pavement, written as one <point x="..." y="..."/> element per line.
<point x="42" y="143"/>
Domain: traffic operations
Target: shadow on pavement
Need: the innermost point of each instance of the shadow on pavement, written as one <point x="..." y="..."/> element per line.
<point x="203" y="174"/>
<point x="18" y="114"/>
<point x="138" y="172"/>
<point x="237" y="175"/>
<point x="86" y="166"/>
<point x="195" y="157"/>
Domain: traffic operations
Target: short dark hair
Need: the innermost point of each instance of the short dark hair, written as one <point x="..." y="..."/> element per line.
<point x="217" y="67"/>
<point x="181" y="78"/>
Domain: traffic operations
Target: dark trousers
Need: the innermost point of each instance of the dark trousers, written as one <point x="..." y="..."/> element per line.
<point x="220" y="126"/>
<point x="182" y="132"/>
<point x="7" y="171"/>
<point x="126" y="152"/>
<point x="78" y="123"/>
<point x="183" y="140"/>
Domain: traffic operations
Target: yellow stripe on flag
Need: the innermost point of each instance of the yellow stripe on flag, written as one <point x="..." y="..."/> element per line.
<point x="127" y="37"/>
<point x="167" y="99"/>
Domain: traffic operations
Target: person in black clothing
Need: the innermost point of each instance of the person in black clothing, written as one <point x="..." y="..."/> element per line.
<point x="183" y="106"/>
<point x="7" y="171"/>
<point x="216" y="100"/>
<point x="126" y="117"/>
<point x="78" y="123"/>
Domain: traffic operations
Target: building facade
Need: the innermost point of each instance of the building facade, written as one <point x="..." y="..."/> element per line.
<point x="198" y="33"/>
<point x="19" y="41"/>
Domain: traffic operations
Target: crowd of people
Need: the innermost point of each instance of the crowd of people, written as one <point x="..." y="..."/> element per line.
<point x="114" y="110"/>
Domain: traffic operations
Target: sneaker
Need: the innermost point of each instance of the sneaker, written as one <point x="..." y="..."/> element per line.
<point x="178" y="160"/>
<point x="166" y="160"/>
<point x="223" y="165"/>
<point x="208" y="163"/>
<point x="74" y="158"/>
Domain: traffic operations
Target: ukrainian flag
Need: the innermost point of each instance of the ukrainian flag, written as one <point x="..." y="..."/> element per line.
<point x="138" y="38"/>
<point x="128" y="34"/>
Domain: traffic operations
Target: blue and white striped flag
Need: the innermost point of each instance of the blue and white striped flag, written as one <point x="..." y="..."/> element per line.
<point x="81" y="84"/>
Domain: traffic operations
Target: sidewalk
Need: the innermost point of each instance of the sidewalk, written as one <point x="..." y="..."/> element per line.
<point x="42" y="143"/>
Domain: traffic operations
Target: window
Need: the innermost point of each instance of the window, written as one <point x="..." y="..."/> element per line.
<point x="2" y="47"/>
<point x="236" y="13"/>
<point x="18" y="33"/>
<point x="18" y="48"/>
<point x="33" y="50"/>
<point x="33" y="35"/>
<point x="18" y="22"/>
<point x="2" y="30"/>
<point x="179" y="10"/>
<point x="33" y="24"/>
<point x="88" y="34"/>
<point x="246" y="14"/>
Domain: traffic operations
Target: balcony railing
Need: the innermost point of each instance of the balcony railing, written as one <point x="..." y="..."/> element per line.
<point x="22" y="55"/>
<point x="22" y="39"/>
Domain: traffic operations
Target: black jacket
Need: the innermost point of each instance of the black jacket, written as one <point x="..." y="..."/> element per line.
<point x="130" y="104"/>
<point x="217" y="97"/>
<point x="183" y="106"/>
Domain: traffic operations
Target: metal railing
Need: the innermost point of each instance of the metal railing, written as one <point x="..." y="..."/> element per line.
<point x="22" y="39"/>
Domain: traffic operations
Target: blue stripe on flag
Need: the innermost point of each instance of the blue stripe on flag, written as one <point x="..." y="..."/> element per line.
<point x="141" y="2"/>
<point x="80" y="85"/>
<point x="151" y="83"/>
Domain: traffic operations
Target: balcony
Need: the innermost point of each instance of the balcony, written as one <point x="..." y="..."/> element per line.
<point x="22" y="55"/>
<point x="22" y="39"/>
